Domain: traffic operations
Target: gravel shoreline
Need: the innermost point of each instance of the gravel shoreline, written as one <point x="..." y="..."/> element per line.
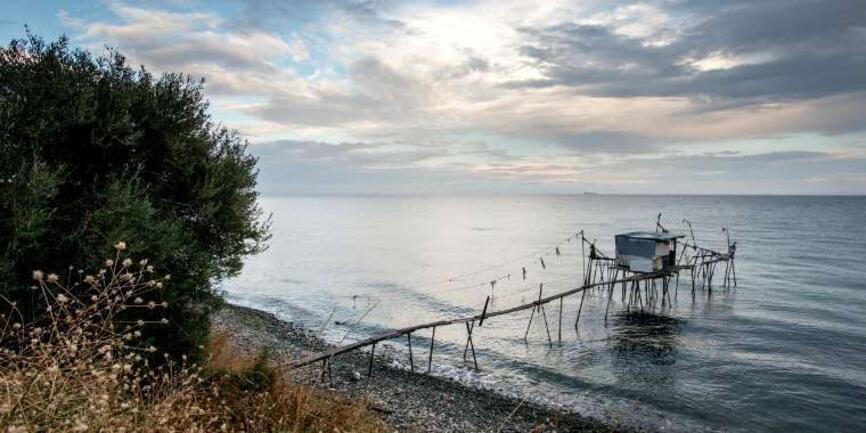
<point x="408" y="402"/>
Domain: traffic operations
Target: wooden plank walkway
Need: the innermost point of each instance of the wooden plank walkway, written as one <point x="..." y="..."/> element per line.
<point x="330" y="353"/>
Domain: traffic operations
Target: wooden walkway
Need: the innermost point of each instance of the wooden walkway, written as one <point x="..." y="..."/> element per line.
<point x="327" y="355"/>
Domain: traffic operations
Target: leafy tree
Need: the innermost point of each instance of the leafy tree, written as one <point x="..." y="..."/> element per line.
<point x="93" y="151"/>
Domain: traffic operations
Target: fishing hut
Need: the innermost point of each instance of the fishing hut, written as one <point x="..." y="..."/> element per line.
<point x="646" y="251"/>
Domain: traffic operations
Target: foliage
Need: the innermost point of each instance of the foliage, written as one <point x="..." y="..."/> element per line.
<point x="92" y="150"/>
<point x="73" y="368"/>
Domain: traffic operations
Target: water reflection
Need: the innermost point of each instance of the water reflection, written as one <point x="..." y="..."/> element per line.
<point x="643" y="347"/>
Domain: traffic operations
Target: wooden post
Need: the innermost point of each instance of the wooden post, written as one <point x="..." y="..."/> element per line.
<point x="734" y="270"/>
<point x="609" y="298"/>
<point x="324" y="366"/>
<point x="544" y="314"/>
<point x="579" y="308"/>
<point x="430" y="355"/>
<point x="531" y="315"/>
<point x="471" y="343"/>
<point x="560" y="321"/>
<point x="411" y="360"/>
<point x="370" y="367"/>
<point x="484" y="312"/>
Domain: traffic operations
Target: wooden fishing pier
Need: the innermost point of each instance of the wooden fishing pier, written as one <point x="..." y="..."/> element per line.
<point x="643" y="288"/>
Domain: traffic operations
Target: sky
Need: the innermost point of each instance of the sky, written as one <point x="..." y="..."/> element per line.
<point x="501" y="97"/>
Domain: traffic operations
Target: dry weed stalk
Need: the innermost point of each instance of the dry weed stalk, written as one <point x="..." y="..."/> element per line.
<point x="81" y="366"/>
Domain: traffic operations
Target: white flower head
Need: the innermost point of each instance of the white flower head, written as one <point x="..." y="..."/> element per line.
<point x="61" y="298"/>
<point x="120" y="246"/>
<point x="37" y="275"/>
<point x="109" y="263"/>
<point x="90" y="279"/>
<point x="52" y="278"/>
<point x="127" y="263"/>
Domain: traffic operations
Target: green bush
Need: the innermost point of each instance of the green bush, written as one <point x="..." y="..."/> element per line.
<point x="93" y="151"/>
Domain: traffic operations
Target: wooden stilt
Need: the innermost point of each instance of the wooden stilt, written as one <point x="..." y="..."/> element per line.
<point x="547" y="328"/>
<point x="560" y="321"/>
<point x="531" y="315"/>
<point x="484" y="312"/>
<point x="734" y="270"/>
<point x="430" y="354"/>
<point x="324" y="369"/>
<point x="468" y="338"/>
<point x="544" y="313"/>
<point x="471" y="343"/>
<point x="411" y="359"/>
<point x="579" y="308"/>
<point x="370" y="367"/>
<point x="609" y="298"/>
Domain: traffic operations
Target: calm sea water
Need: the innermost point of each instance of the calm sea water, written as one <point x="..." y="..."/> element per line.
<point x="784" y="351"/>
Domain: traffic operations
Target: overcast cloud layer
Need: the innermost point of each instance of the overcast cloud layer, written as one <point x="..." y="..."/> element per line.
<point x="505" y="96"/>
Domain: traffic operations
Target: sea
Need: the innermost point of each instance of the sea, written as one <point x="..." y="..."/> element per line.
<point x="783" y="351"/>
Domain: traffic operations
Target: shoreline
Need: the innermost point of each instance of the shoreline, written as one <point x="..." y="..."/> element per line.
<point x="407" y="401"/>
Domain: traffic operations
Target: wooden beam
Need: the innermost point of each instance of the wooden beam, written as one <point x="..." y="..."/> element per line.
<point x="316" y="357"/>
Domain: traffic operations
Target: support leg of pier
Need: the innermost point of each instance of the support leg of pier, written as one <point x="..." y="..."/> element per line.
<point x="526" y="335"/>
<point x="471" y="344"/>
<point x="547" y="328"/>
<point x="430" y="355"/>
<point x="411" y="360"/>
<point x="734" y="270"/>
<point x="607" y="308"/>
<point x="370" y="367"/>
<point x="560" y="321"/>
<point x="324" y="369"/>
<point x="580" y="307"/>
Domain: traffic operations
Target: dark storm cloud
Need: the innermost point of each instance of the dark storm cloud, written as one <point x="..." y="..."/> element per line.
<point x="812" y="49"/>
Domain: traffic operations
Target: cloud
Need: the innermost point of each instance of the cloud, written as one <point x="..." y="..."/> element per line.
<point x="759" y="52"/>
<point x="355" y="154"/>
<point x="559" y="93"/>
<point x="238" y="62"/>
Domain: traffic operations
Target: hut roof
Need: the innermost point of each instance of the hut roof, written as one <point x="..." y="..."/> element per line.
<point x="651" y="235"/>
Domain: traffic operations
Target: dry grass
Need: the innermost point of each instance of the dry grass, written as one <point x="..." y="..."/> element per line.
<point x="80" y="368"/>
